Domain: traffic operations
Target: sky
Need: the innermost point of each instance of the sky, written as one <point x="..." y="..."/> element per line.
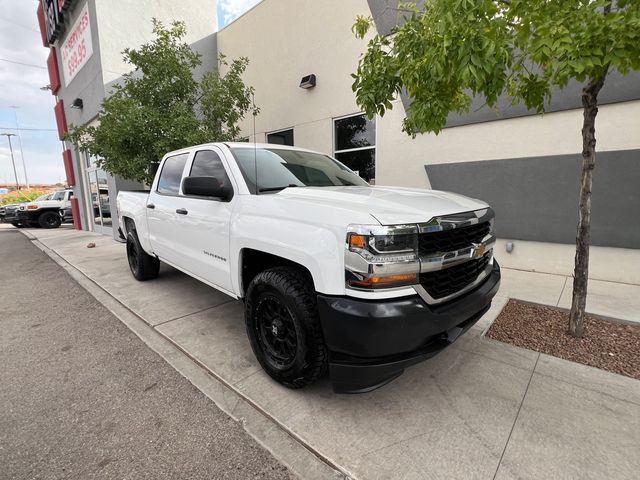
<point x="20" y="87"/>
<point x="229" y="10"/>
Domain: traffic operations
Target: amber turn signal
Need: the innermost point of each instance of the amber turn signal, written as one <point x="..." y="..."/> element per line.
<point x="32" y="207"/>
<point x="357" y="241"/>
<point x="386" y="281"/>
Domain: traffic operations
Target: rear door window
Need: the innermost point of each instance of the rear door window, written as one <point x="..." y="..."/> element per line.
<point x="171" y="175"/>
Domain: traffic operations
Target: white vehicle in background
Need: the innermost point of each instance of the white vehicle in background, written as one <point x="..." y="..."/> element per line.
<point x="335" y="274"/>
<point x="43" y="212"/>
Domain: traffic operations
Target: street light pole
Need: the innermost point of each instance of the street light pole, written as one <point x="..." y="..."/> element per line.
<point x="24" y="164"/>
<point x="15" y="172"/>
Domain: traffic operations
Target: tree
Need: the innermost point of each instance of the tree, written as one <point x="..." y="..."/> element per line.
<point x="453" y="50"/>
<point x="160" y="106"/>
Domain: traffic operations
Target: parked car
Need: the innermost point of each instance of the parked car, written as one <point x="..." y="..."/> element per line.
<point x="3" y="211"/>
<point x="43" y="212"/>
<point x="335" y="274"/>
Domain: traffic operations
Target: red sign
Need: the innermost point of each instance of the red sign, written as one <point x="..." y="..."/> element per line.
<point x="61" y="119"/>
<point x="68" y="167"/>
<point x="54" y="73"/>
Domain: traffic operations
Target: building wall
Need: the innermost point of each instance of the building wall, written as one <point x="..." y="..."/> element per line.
<point x="127" y="24"/>
<point x="116" y="25"/>
<point x="286" y="40"/>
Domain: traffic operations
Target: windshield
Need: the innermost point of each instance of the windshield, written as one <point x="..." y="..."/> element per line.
<point x="58" y="196"/>
<point x="42" y="198"/>
<point x="278" y="169"/>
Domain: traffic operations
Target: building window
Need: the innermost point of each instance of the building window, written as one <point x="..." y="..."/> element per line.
<point x="283" y="137"/>
<point x="355" y="145"/>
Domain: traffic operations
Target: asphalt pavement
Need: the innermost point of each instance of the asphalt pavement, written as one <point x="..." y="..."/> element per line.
<point x="82" y="397"/>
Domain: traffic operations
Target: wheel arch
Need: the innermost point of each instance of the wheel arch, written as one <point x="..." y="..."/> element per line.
<point x="253" y="262"/>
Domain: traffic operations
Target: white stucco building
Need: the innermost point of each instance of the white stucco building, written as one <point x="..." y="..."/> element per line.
<point x="525" y="165"/>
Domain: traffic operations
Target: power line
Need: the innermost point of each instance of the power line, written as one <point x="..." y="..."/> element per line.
<point x="19" y="25"/>
<point x="24" y="64"/>
<point x="31" y="129"/>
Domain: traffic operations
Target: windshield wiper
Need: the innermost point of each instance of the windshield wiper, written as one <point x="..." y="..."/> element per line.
<point x="274" y="189"/>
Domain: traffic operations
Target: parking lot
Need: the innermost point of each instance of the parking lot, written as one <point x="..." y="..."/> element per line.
<point x="481" y="409"/>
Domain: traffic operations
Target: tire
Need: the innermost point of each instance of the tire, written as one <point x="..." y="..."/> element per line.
<point x="49" y="220"/>
<point x="143" y="266"/>
<point x="283" y="326"/>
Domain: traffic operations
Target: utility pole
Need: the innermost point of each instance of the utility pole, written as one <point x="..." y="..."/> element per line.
<point x="24" y="164"/>
<point x="15" y="172"/>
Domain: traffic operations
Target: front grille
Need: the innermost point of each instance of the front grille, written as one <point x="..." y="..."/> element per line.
<point x="451" y="240"/>
<point x="442" y="283"/>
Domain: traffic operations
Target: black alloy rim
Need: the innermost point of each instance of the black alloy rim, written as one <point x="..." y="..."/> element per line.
<point x="276" y="331"/>
<point x="51" y="220"/>
<point x="132" y="255"/>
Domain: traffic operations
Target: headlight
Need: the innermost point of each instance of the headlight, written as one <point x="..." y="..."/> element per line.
<point x="381" y="257"/>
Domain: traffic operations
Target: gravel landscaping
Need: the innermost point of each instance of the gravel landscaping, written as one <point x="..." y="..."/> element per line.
<point x="606" y="344"/>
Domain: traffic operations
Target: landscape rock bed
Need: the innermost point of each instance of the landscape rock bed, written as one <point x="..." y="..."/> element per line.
<point x="608" y="345"/>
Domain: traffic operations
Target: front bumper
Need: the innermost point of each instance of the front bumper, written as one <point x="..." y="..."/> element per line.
<point x="372" y="342"/>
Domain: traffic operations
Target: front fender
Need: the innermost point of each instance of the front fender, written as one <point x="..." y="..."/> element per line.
<point x="318" y="248"/>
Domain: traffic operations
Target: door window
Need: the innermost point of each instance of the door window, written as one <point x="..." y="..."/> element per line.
<point x="169" y="181"/>
<point x="207" y="163"/>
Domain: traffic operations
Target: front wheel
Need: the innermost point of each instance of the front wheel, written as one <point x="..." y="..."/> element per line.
<point x="283" y="326"/>
<point x="49" y="220"/>
<point x="143" y="266"/>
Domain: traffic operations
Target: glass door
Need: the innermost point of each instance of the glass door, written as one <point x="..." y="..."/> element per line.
<point x="98" y="201"/>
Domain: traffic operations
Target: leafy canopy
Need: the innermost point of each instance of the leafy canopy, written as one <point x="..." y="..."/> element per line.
<point x="454" y="50"/>
<point x="160" y="106"/>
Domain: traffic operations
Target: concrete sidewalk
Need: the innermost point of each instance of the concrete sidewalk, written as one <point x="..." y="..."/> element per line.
<point x="481" y="409"/>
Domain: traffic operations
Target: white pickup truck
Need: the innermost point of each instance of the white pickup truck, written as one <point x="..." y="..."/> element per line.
<point x="335" y="274"/>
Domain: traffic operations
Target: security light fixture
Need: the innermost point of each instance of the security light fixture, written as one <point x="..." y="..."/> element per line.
<point x="308" y="82"/>
<point x="77" y="103"/>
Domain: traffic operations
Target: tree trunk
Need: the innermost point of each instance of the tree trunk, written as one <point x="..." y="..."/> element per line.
<point x="581" y="271"/>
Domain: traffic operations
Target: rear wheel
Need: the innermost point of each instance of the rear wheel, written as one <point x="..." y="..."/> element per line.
<point x="284" y="328"/>
<point x="143" y="266"/>
<point x="49" y="220"/>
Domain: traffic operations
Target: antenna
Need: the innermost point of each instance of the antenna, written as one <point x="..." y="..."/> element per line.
<point x="255" y="147"/>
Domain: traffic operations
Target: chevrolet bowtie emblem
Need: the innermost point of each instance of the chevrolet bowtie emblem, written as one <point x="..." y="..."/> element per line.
<point x="478" y="249"/>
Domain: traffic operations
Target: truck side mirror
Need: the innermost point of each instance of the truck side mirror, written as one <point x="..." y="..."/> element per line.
<point x="206" y="187"/>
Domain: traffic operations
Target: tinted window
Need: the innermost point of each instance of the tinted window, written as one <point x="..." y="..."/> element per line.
<point x="363" y="162"/>
<point x="171" y="174"/>
<point x="207" y="163"/>
<point x="281" y="138"/>
<point x="355" y="132"/>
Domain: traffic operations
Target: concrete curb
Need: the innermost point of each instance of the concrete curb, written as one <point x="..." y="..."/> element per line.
<point x="283" y="444"/>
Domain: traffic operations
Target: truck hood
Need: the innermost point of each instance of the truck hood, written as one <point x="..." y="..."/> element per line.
<point x="387" y="205"/>
<point x="44" y="204"/>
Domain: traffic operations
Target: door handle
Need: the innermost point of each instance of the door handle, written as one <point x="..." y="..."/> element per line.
<point x="151" y="205"/>
<point x="181" y="211"/>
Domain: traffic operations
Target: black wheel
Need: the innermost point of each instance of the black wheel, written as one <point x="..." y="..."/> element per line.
<point x="49" y="220"/>
<point x="143" y="266"/>
<point x="17" y="225"/>
<point x="284" y="328"/>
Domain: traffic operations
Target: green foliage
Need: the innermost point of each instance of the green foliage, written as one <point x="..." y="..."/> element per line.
<point x="160" y="107"/>
<point x="20" y="196"/>
<point x="457" y="49"/>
